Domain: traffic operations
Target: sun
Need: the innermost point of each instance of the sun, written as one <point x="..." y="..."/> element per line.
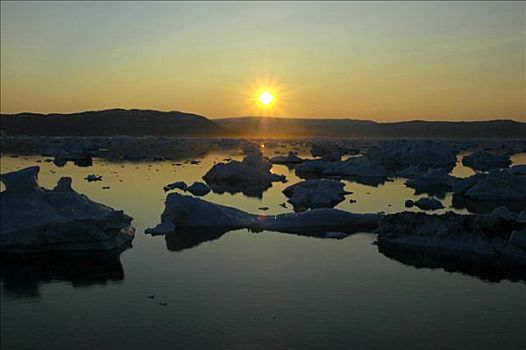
<point x="265" y="98"/>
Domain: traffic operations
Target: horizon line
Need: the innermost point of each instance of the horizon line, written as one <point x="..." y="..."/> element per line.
<point x="275" y="117"/>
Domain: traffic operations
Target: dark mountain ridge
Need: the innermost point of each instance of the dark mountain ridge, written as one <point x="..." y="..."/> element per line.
<point x="137" y="122"/>
<point x="133" y="122"/>
<point x="296" y="127"/>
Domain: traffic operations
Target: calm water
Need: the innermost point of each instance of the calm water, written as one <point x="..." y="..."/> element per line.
<point x="245" y="290"/>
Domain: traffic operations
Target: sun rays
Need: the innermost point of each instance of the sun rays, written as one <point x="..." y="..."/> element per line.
<point x="266" y="97"/>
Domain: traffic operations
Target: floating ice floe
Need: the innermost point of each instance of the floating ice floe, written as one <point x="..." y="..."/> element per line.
<point x="411" y="171"/>
<point x="93" y="177"/>
<point x="484" y="161"/>
<point x="360" y="167"/>
<point x="198" y="189"/>
<point x="495" y="185"/>
<point x="428" y="204"/>
<point x="81" y="159"/>
<point x="185" y="212"/>
<point x="326" y="149"/>
<point x="433" y="181"/>
<point x="291" y="158"/>
<point x="334" y="148"/>
<point x="179" y="184"/>
<point x="490" y="236"/>
<point x="315" y="194"/>
<point x="41" y="220"/>
<point x="504" y="213"/>
<point x="251" y="176"/>
<point x="415" y="152"/>
<point x="382" y="161"/>
<point x="311" y="168"/>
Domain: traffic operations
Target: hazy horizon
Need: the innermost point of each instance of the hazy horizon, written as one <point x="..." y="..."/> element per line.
<point x="386" y="62"/>
<point x="277" y="116"/>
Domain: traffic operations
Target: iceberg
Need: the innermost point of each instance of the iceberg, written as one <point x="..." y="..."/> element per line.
<point x="35" y="219"/>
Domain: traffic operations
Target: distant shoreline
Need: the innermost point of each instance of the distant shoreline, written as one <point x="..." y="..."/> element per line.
<point x="136" y="122"/>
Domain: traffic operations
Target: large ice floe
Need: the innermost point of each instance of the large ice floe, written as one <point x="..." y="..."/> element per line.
<point x="402" y="153"/>
<point x="495" y="185"/>
<point x="384" y="160"/>
<point x="314" y="168"/>
<point x="35" y="219"/>
<point x="189" y="213"/>
<point x="497" y="237"/>
<point x="326" y="149"/>
<point x="333" y="149"/>
<point x="484" y="161"/>
<point x="435" y="181"/>
<point x="251" y="176"/>
<point x="356" y="167"/>
<point x="315" y="194"/>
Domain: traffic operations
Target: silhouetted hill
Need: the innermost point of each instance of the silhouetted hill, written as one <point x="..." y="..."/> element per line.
<point x="295" y="127"/>
<point x="135" y="122"/>
<point x="110" y="122"/>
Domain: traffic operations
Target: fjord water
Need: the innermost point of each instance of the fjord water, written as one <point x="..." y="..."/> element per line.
<point x="247" y="290"/>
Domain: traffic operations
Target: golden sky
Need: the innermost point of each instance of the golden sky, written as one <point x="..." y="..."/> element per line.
<point x="367" y="60"/>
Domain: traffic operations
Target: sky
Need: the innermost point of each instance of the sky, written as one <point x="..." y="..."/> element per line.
<point x="384" y="61"/>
